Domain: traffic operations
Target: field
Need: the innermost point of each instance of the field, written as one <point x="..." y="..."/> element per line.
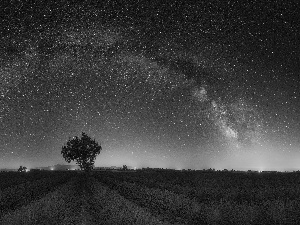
<point x="156" y="197"/>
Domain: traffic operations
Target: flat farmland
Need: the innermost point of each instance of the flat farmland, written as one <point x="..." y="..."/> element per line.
<point x="149" y="197"/>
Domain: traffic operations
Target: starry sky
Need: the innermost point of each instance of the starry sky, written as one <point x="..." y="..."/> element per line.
<point x="171" y="84"/>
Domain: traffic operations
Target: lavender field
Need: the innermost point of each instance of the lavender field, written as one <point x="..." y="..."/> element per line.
<point x="152" y="197"/>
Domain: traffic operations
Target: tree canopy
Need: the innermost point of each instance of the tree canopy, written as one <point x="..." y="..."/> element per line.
<point x="22" y="169"/>
<point x="84" y="151"/>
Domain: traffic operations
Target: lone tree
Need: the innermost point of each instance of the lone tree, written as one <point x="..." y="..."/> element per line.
<point x="83" y="151"/>
<point x="22" y="169"/>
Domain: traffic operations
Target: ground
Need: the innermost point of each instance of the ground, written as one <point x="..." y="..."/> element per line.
<point x="149" y="198"/>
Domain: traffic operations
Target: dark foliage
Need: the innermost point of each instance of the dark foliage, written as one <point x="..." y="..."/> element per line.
<point x="83" y="151"/>
<point x="22" y="169"/>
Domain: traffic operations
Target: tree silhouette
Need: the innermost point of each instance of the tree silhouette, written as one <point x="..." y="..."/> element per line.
<point x="83" y="151"/>
<point x="22" y="169"/>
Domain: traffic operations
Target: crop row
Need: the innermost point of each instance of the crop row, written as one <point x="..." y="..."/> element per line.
<point x="286" y="189"/>
<point x="112" y="208"/>
<point x="22" y="194"/>
<point x="57" y="207"/>
<point x="81" y="201"/>
<point x="182" y="209"/>
<point x="212" y="179"/>
<point x="167" y="205"/>
<point x="9" y="179"/>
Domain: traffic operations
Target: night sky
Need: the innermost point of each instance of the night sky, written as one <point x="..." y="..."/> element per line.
<point x="164" y="84"/>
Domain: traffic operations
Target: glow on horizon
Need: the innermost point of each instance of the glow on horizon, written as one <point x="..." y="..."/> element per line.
<point x="263" y="158"/>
